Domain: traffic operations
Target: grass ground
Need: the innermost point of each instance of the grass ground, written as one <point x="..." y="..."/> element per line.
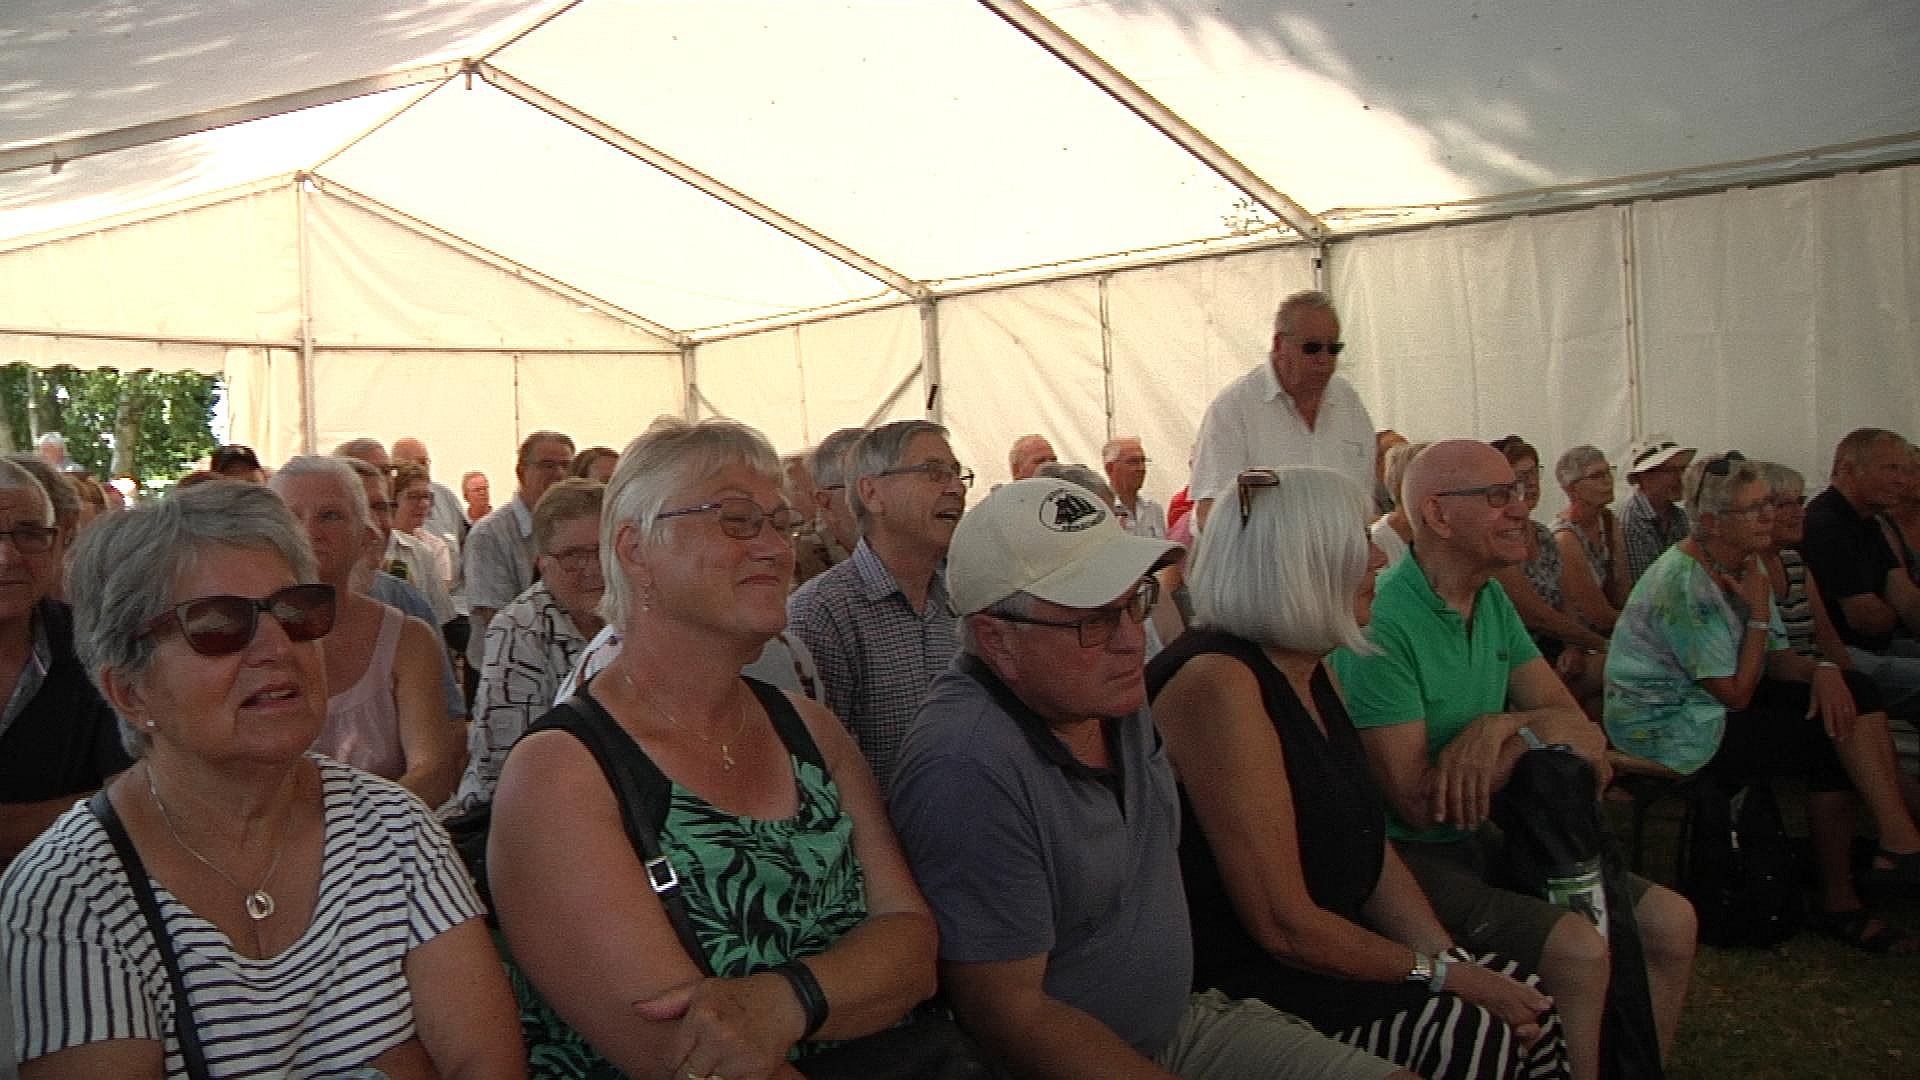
<point x="1811" y="1008"/>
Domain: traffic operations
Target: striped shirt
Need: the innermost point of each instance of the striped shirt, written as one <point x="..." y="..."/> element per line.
<point x="81" y="966"/>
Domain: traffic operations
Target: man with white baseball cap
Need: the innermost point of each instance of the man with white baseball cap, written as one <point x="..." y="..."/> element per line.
<point x="1654" y="520"/>
<point x="1037" y="807"/>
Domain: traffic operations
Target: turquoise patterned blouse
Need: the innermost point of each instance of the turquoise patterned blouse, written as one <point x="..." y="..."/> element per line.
<point x="1678" y="627"/>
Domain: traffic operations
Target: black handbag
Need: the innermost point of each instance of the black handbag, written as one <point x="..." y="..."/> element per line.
<point x="927" y="1045"/>
<point x="1558" y="848"/>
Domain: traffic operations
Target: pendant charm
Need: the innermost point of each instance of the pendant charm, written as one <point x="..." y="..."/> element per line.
<point x="259" y="905"/>
<point x="726" y="758"/>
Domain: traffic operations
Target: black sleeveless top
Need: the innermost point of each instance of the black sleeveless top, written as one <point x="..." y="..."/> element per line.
<point x="1339" y="813"/>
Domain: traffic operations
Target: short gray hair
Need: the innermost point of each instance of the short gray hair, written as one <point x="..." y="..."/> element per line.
<point x="879" y="450"/>
<point x="1398" y="459"/>
<point x="1708" y="493"/>
<point x="1017" y="605"/>
<point x="1567" y="470"/>
<point x="1083" y="476"/>
<point x="354" y="448"/>
<point x="567" y="500"/>
<point x="1287" y="578"/>
<point x="829" y="459"/>
<point x="340" y="471"/>
<point x="126" y="566"/>
<point x="15" y="476"/>
<point x="1117" y="445"/>
<point x="531" y="443"/>
<point x="672" y="455"/>
<point x="60" y="494"/>
<point x="1304" y="300"/>
<point x="1782" y="477"/>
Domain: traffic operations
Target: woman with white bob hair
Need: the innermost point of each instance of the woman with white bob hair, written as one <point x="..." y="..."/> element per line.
<point x="280" y="913"/>
<point x="1296" y="896"/>
<point x="792" y="887"/>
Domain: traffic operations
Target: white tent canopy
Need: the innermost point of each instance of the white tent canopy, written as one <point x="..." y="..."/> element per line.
<point x="470" y="219"/>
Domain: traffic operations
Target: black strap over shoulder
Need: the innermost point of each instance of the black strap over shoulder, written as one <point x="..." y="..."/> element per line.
<point x="187" y="1033"/>
<point x="644" y="791"/>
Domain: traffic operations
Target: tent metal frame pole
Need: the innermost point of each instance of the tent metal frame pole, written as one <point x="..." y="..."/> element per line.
<point x="498" y="261"/>
<point x="687" y="174"/>
<point x="1102" y="284"/>
<point x="57" y="152"/>
<point x="1091" y="67"/>
<point x="893" y="395"/>
<point x="309" y="421"/>
<point x="1630" y="306"/>
<point x="690" y="398"/>
<point x="144" y="339"/>
<point x="930" y="357"/>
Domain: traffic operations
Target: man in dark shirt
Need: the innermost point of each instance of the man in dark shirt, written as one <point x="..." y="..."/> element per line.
<point x="59" y="740"/>
<point x="1874" y="604"/>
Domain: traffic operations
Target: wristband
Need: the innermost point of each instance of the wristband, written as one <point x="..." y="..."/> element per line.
<point x="1761" y="625"/>
<point x="1818" y="664"/>
<point x="1441" y="964"/>
<point x="806" y="988"/>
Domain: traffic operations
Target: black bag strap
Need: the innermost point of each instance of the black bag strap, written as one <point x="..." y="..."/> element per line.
<point x="184" y="1028"/>
<point x="643" y="790"/>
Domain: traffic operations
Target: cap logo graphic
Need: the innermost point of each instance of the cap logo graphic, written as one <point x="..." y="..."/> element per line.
<point x="1070" y="510"/>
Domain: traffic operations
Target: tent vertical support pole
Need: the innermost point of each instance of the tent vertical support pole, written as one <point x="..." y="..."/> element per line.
<point x="1630" y="306"/>
<point x="1322" y="273"/>
<point x="689" y="383"/>
<point x="930" y="356"/>
<point x="309" y="423"/>
<point x="1106" y="353"/>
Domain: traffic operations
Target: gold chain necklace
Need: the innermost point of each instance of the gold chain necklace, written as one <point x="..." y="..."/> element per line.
<point x="259" y="902"/>
<point x="726" y="744"/>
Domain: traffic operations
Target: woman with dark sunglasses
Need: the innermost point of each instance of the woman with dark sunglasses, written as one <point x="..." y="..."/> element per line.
<point x="231" y="897"/>
<point x="1702" y="675"/>
<point x="791" y="885"/>
<point x="1296" y="896"/>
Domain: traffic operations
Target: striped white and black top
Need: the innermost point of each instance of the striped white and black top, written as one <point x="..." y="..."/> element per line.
<point x="81" y="966"/>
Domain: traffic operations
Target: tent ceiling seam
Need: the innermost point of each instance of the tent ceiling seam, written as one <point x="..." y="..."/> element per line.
<point x="592" y="125"/>
<point x="498" y="261"/>
<point x="1090" y="66"/>
<point x="57" y="152"/>
<point x="96" y="226"/>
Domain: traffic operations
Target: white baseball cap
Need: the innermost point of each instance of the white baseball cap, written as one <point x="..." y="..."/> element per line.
<point x="1049" y="538"/>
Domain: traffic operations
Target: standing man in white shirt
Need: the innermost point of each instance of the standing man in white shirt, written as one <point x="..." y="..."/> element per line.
<point x="1291" y="410"/>
<point x="1126" y="464"/>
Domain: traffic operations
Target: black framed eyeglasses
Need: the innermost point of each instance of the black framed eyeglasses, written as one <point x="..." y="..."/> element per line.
<point x="1097" y="629"/>
<point x="31" y="539"/>
<point x="222" y="625"/>
<point x="1250" y="481"/>
<point x="1497" y="495"/>
<point x="939" y="472"/>
<point x="741" y="518"/>
<point x="1312" y="348"/>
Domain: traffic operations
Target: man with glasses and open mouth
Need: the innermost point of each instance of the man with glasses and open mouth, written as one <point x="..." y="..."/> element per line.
<point x="878" y="625"/>
<point x="1291" y="410"/>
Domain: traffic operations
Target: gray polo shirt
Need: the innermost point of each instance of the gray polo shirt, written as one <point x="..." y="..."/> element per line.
<point x="1022" y="851"/>
<point x="498" y="560"/>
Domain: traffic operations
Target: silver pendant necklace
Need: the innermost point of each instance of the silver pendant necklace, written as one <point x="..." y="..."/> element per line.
<point x="726" y="744"/>
<point x="259" y="902"/>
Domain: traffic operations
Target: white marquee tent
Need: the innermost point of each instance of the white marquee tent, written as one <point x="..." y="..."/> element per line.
<point x="470" y="219"/>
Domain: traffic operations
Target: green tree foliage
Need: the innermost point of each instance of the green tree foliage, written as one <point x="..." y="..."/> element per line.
<point x="151" y="425"/>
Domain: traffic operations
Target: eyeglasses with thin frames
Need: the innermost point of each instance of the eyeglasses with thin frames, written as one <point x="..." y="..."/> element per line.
<point x="939" y="472"/>
<point x="222" y="625"/>
<point x="1097" y="629"/>
<point x="1497" y="495"/>
<point x="575" y="560"/>
<point x="741" y="518"/>
<point x="31" y="539"/>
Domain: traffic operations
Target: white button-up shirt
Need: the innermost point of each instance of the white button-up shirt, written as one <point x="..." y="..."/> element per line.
<point x="1255" y="424"/>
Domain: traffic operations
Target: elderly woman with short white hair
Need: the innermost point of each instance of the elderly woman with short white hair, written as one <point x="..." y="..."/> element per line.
<point x="232" y="898"/>
<point x="1296" y="896"/>
<point x="805" y="922"/>
<point x="1702" y="675"/>
<point x="1593" y="556"/>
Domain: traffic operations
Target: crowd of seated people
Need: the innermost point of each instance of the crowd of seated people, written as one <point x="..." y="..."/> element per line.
<point x="1293" y="766"/>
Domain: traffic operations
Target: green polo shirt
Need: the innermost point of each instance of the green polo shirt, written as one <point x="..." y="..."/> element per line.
<point x="1432" y="666"/>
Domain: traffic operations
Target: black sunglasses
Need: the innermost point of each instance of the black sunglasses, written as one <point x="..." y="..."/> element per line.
<point x="1720" y="466"/>
<point x="222" y="625"/>
<point x="1247" y="483"/>
<point x="1312" y="348"/>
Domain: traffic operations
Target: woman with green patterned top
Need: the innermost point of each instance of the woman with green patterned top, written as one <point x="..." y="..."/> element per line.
<point x="793" y="883"/>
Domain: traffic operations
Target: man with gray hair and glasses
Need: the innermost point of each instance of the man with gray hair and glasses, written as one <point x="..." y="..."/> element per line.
<point x="1290" y="410"/>
<point x="878" y="625"/>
